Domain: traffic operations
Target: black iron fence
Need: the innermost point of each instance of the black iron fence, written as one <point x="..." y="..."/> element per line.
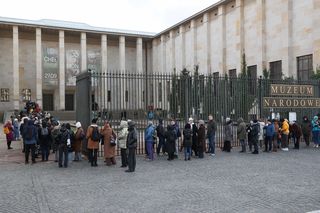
<point x="142" y="97"/>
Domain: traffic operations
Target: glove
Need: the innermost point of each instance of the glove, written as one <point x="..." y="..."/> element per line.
<point x="68" y="142"/>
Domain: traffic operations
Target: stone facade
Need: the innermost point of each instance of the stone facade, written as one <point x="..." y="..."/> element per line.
<point x="214" y="40"/>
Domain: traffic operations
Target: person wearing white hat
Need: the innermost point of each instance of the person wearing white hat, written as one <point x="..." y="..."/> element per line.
<point x="79" y="136"/>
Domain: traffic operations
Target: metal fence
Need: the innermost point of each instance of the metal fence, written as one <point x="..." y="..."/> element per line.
<point x="143" y="97"/>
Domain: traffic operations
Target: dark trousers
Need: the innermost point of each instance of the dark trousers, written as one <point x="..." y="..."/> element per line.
<point x="255" y="145"/>
<point x="268" y="143"/>
<point x="200" y="151"/>
<point x="226" y="146"/>
<point x="250" y="143"/>
<point x="44" y="152"/>
<point x="306" y="139"/>
<point x="63" y="155"/>
<point x="93" y="155"/>
<point x="124" y="159"/>
<point x="161" y="145"/>
<point x="297" y="143"/>
<point x="29" y="147"/>
<point x="194" y="147"/>
<point x="284" y="141"/>
<point x="132" y="159"/>
<point x="9" y="144"/>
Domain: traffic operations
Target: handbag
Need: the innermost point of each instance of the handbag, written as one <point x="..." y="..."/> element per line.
<point x="113" y="139"/>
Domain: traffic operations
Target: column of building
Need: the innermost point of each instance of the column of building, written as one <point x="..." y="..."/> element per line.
<point x="223" y="54"/>
<point x="287" y="55"/>
<point x="183" y="47"/>
<point x="83" y="49"/>
<point x="163" y="60"/>
<point x="207" y="44"/>
<point x="16" y="80"/>
<point x="61" y="71"/>
<point x="104" y="70"/>
<point x="139" y="70"/>
<point x="38" y="67"/>
<point x="316" y="34"/>
<point x="193" y="44"/>
<point x="122" y="66"/>
<point x="261" y="36"/>
<point x="240" y="34"/>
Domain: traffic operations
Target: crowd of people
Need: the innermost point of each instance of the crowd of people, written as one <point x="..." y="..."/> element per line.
<point x="44" y="133"/>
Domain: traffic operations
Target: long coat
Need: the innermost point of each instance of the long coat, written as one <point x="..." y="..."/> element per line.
<point x="77" y="140"/>
<point x="171" y="137"/>
<point x="92" y="144"/>
<point x="202" y="137"/>
<point x="109" y="150"/>
<point x="228" y="132"/>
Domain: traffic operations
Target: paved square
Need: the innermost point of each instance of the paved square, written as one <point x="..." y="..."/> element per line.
<point x="229" y="182"/>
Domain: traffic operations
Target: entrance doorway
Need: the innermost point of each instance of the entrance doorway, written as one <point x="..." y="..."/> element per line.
<point x="47" y="102"/>
<point x="69" y="102"/>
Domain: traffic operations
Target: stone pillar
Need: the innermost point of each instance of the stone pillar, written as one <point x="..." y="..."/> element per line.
<point x="15" y="82"/>
<point x="207" y="44"/>
<point x="193" y="44"/>
<point x="287" y="54"/>
<point x="172" y="51"/>
<point x="104" y="54"/>
<point x="183" y="46"/>
<point x="61" y="71"/>
<point x="155" y="56"/>
<point x="240" y="33"/>
<point x="163" y="54"/>
<point x="38" y="67"/>
<point x="83" y="44"/>
<point x="222" y="22"/>
<point x="261" y="37"/>
<point x="316" y="34"/>
<point x="122" y="53"/>
<point x="139" y="63"/>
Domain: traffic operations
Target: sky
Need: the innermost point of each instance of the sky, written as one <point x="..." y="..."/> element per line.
<point x="138" y="15"/>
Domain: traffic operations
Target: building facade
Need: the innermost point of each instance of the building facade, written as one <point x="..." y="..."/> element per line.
<point x="39" y="60"/>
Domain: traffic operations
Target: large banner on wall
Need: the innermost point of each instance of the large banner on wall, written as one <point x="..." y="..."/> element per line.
<point x="94" y="60"/>
<point x="72" y="66"/>
<point x="50" y="66"/>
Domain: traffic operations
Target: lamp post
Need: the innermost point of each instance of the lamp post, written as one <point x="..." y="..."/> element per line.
<point x="185" y="74"/>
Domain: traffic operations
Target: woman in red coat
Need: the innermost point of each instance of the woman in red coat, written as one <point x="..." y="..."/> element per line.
<point x="8" y="131"/>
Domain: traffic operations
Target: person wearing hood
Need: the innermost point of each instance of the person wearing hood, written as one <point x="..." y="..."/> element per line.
<point x="201" y="138"/>
<point x="241" y="134"/>
<point x="194" y="130"/>
<point x="149" y="139"/>
<point x="187" y="141"/>
<point x="315" y="131"/>
<point x="161" y="136"/>
<point x="44" y="140"/>
<point x="109" y="148"/>
<point x="227" y="136"/>
<point x="306" y="130"/>
<point x="284" y="135"/>
<point x="93" y="137"/>
<point x="255" y="130"/>
<point x="79" y="136"/>
<point x="132" y="140"/>
<point x="122" y="142"/>
<point x="170" y="144"/>
<point x="30" y="136"/>
<point x="64" y="143"/>
<point x="211" y="134"/>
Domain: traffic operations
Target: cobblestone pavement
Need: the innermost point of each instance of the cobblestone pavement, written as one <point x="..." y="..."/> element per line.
<point x="229" y="182"/>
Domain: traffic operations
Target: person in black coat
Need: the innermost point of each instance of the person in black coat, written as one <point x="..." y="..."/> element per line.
<point x="132" y="140"/>
<point x="44" y="141"/>
<point x="170" y="144"/>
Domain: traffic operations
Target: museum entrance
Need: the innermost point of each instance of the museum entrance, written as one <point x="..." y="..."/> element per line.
<point x="48" y="102"/>
<point x="69" y="102"/>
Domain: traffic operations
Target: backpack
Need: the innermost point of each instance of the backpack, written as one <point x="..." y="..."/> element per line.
<point x="95" y="136"/>
<point x="44" y="131"/>
<point x="29" y="131"/>
<point x="187" y="134"/>
<point x="6" y="130"/>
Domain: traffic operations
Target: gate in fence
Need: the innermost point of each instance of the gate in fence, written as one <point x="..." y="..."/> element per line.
<point x="114" y="96"/>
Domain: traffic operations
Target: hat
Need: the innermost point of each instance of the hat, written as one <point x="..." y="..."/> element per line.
<point x="228" y="119"/>
<point x="150" y="123"/>
<point x="190" y="119"/>
<point x="78" y="124"/>
<point x="201" y="122"/>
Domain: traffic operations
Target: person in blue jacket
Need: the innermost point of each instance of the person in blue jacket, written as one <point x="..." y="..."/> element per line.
<point x="149" y="139"/>
<point x="270" y="133"/>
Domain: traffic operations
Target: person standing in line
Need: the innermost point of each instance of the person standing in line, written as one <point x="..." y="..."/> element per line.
<point x="30" y="135"/>
<point x="93" y="137"/>
<point x="161" y="136"/>
<point x="187" y="141"/>
<point x="72" y="138"/>
<point x="284" y="134"/>
<point x="306" y="130"/>
<point x="227" y="135"/>
<point x="276" y="135"/>
<point x="241" y="134"/>
<point x="23" y="124"/>
<point x="297" y="132"/>
<point x="171" y="138"/>
<point x="132" y="141"/>
<point x="55" y="140"/>
<point x="44" y="140"/>
<point x="16" y="129"/>
<point x="64" y="142"/>
<point x="109" y="148"/>
<point x="270" y="132"/>
<point x="77" y="145"/>
<point x="149" y="140"/>
<point x="122" y="142"/>
<point x="8" y="131"/>
<point x="211" y="134"/>
<point x="315" y="131"/>
<point x="194" y="130"/>
<point x="262" y="132"/>
<point x="255" y="129"/>
<point x="201" y="138"/>
<point x="249" y="131"/>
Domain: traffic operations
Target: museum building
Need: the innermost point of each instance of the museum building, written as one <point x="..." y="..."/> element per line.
<point x="39" y="60"/>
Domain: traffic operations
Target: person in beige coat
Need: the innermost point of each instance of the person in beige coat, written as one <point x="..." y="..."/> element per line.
<point x="109" y="149"/>
<point x="93" y="144"/>
<point x="122" y="142"/>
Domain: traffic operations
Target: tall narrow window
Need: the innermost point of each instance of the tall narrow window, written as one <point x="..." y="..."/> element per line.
<point x="160" y="92"/>
<point x="232" y="78"/>
<point x="252" y="77"/>
<point x="109" y="96"/>
<point x="4" y="95"/>
<point x="127" y="96"/>
<point x="215" y="83"/>
<point x="276" y="70"/>
<point x="304" y="67"/>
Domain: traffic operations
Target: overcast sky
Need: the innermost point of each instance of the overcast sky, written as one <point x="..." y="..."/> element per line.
<point x="139" y="15"/>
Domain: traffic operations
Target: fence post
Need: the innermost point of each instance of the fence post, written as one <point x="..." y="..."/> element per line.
<point x="260" y="96"/>
<point x="185" y="74"/>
